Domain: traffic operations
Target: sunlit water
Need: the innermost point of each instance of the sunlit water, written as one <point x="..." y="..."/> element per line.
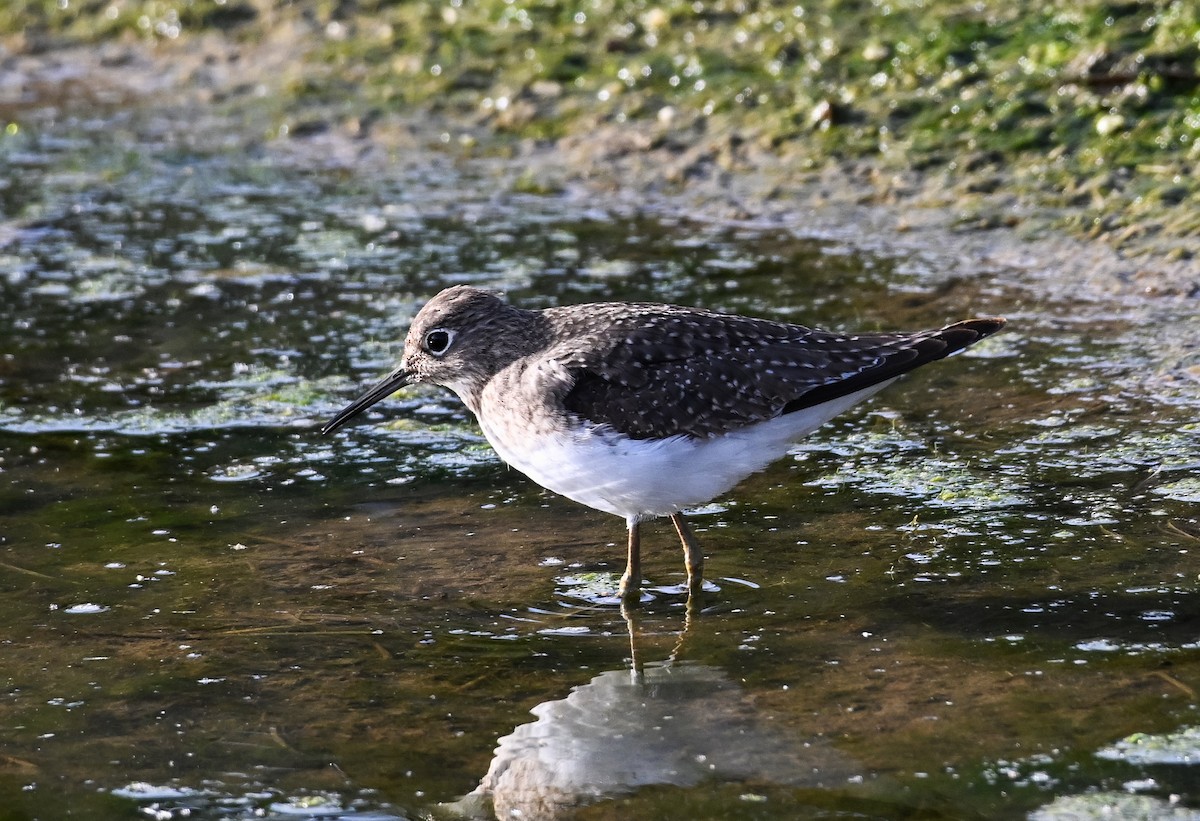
<point x="973" y="597"/>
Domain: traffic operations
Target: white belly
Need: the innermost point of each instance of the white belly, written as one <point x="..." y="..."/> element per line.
<point x="642" y="478"/>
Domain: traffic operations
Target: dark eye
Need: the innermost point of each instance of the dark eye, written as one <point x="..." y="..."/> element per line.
<point x="438" y="340"/>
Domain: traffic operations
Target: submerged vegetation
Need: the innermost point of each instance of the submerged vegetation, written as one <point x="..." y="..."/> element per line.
<point x="1090" y="110"/>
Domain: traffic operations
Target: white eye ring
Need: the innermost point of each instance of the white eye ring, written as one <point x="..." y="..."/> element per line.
<point x="438" y="341"/>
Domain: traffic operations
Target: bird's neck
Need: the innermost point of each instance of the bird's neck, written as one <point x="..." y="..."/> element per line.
<point x="519" y="334"/>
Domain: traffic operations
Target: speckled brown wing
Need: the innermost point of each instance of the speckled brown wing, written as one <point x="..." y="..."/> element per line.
<point x="668" y="371"/>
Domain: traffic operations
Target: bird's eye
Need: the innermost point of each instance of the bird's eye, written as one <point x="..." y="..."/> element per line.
<point x="437" y="341"/>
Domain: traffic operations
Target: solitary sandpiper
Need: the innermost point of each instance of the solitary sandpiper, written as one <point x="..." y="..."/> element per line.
<point x="644" y="410"/>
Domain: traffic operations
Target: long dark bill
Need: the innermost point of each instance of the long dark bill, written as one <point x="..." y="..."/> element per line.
<point x="391" y="383"/>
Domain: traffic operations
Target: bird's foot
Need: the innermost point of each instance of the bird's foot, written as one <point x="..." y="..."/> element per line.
<point x="630" y="589"/>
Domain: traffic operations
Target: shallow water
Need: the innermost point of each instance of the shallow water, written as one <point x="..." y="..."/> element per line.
<point x="973" y="597"/>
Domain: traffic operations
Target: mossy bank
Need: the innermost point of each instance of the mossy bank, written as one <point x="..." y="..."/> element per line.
<point x="1087" y="113"/>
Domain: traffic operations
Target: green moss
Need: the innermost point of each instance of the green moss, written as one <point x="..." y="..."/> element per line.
<point x="1066" y="92"/>
<point x="94" y="20"/>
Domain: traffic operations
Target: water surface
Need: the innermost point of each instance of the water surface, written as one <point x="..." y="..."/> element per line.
<point x="972" y="597"/>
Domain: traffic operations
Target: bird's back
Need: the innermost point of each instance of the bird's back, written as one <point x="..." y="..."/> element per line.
<point x="652" y="371"/>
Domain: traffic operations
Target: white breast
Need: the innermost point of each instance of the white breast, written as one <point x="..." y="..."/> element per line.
<point x="642" y="478"/>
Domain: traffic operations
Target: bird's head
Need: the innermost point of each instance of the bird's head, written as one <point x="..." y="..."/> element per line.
<point x="458" y="340"/>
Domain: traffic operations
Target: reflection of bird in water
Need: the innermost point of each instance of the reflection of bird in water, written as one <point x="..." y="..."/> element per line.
<point x="672" y="725"/>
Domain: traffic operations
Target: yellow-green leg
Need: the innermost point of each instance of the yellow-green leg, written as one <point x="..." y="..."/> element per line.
<point x="631" y="582"/>
<point x="693" y="558"/>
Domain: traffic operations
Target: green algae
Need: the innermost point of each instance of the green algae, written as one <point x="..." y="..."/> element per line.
<point x="1182" y="747"/>
<point x="1105" y="805"/>
<point x="1186" y="489"/>
<point x="935" y="482"/>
